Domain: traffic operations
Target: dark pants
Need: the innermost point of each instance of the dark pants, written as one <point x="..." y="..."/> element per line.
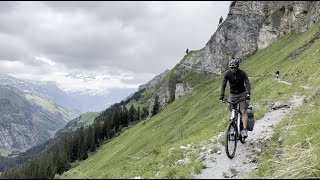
<point x="234" y="97"/>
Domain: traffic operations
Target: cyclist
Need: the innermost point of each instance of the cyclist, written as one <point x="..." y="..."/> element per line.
<point x="277" y="74"/>
<point x="239" y="89"/>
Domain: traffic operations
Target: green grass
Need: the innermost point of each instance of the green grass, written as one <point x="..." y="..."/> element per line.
<point x="299" y="132"/>
<point x="144" y="148"/>
<point x="143" y="100"/>
<point x="193" y="119"/>
<point x="300" y="143"/>
<point x="50" y="106"/>
<point x="88" y="118"/>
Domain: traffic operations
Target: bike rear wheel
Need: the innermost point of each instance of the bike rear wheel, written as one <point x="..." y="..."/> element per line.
<point x="231" y="140"/>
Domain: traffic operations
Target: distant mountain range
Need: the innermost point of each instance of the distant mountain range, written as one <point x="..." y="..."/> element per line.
<point x="32" y="112"/>
<point x="82" y="102"/>
<point x="27" y="119"/>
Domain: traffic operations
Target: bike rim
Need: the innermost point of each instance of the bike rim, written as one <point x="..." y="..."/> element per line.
<point x="231" y="140"/>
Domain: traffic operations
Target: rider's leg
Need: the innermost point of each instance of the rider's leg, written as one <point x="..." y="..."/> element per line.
<point x="243" y="108"/>
<point x="244" y="118"/>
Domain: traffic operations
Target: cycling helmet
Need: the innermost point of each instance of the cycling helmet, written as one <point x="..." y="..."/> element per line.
<point x="234" y="63"/>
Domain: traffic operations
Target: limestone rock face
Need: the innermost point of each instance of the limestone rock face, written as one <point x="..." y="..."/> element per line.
<point x="154" y="82"/>
<point x="181" y="90"/>
<point x="196" y="61"/>
<point x="165" y="95"/>
<point x="285" y="17"/>
<point x="253" y="25"/>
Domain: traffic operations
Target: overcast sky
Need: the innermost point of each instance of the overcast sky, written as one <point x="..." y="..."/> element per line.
<point x="101" y="45"/>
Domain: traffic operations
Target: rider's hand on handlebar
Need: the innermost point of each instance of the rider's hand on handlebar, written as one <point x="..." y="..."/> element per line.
<point x="248" y="97"/>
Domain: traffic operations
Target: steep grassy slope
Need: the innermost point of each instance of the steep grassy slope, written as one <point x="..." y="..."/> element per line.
<point x="146" y="149"/>
<point x="62" y="115"/>
<point x="295" y="146"/>
<point x="84" y="119"/>
<point x="176" y="125"/>
<point x="51" y="107"/>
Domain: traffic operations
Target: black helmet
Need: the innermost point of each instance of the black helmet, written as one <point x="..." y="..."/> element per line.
<point x="234" y="63"/>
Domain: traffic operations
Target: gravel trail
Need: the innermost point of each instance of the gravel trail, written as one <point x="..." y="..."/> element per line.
<point x="219" y="166"/>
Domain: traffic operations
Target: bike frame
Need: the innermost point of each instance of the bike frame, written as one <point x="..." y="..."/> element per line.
<point x="236" y="113"/>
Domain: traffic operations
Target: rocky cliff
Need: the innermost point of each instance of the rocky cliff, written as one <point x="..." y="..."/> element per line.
<point x="249" y="26"/>
<point x="154" y="81"/>
<point x="27" y="120"/>
<point x="253" y="25"/>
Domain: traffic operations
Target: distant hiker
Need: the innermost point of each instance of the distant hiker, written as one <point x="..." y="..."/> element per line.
<point x="239" y="89"/>
<point x="277" y="74"/>
<point x="187" y="51"/>
<point x="220" y="21"/>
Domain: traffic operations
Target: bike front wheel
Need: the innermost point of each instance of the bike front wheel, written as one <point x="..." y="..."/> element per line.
<point x="231" y="140"/>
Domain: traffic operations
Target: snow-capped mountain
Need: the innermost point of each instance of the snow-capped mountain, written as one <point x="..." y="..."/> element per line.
<point x="47" y="90"/>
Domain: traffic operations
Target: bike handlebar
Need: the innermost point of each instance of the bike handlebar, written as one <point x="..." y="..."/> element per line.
<point x="233" y="102"/>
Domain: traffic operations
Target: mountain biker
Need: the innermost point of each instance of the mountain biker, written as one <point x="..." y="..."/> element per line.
<point x="239" y="90"/>
<point x="277" y="74"/>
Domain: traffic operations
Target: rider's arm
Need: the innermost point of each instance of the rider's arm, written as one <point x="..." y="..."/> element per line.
<point x="224" y="83"/>
<point x="247" y="82"/>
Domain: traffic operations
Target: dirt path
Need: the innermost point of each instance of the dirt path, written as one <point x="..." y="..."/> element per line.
<point x="284" y="82"/>
<point x="219" y="166"/>
<point x="288" y="83"/>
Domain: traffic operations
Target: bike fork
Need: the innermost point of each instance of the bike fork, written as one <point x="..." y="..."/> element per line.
<point x="238" y="124"/>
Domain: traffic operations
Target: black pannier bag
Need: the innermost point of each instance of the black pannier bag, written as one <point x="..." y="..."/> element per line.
<point x="250" y="114"/>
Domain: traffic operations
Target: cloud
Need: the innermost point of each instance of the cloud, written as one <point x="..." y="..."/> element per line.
<point x="130" y="42"/>
<point x="46" y="60"/>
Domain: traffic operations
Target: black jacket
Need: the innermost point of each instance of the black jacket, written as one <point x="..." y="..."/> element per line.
<point x="237" y="82"/>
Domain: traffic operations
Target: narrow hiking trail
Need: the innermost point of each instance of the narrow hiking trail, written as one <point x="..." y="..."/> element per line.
<point x="219" y="166"/>
<point x="288" y="83"/>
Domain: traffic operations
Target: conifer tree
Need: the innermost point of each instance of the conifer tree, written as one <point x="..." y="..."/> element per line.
<point x="132" y="112"/>
<point x="144" y="113"/>
<point x="156" y="106"/>
<point x="138" y="114"/>
<point x="125" y="116"/>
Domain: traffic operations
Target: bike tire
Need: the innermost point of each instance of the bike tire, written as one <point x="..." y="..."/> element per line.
<point x="231" y="145"/>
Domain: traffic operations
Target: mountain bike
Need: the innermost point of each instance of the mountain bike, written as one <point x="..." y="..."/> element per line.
<point x="234" y="128"/>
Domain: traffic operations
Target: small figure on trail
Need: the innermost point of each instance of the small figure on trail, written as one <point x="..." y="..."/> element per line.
<point x="220" y="21"/>
<point x="187" y="51"/>
<point x="277" y="74"/>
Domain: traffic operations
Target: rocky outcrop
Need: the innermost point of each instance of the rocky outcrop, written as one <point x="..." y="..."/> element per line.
<point x="182" y="89"/>
<point x="154" y="82"/>
<point x="195" y="60"/>
<point x="164" y="95"/>
<point x="253" y="25"/>
<point x="284" y="17"/>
